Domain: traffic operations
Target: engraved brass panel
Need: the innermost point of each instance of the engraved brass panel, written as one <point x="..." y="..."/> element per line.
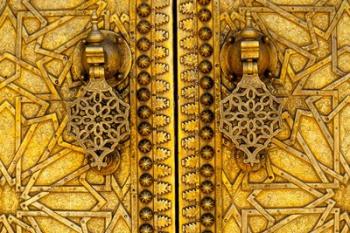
<point x="47" y="184"/>
<point x="300" y="184"/>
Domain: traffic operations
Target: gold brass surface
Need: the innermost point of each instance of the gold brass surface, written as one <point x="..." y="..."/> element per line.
<point x="98" y="118"/>
<point x="49" y="58"/>
<point x="118" y="59"/>
<point x="248" y="43"/>
<point x="301" y="182"/>
<point x="250" y="116"/>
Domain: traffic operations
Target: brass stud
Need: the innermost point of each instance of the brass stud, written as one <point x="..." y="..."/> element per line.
<point x="206" y="133"/>
<point x="120" y="39"/>
<point x="207" y="99"/>
<point x="144" y="112"/>
<point x="207" y="170"/>
<point x="145" y="146"/>
<point x="207" y="116"/>
<point x="206" y="82"/>
<point x="207" y="152"/>
<point x="145" y="163"/>
<point x="207" y="187"/>
<point x="204" y="15"/>
<point x="206" y="50"/>
<point x="266" y="39"/>
<point x="205" y="67"/>
<point x="144" y="128"/>
<point x="146" y="180"/>
<point x="143" y="61"/>
<point x="144" y="9"/>
<point x="205" y="33"/>
<point x="144" y="26"/>
<point x="143" y="94"/>
<point x="145" y="196"/>
<point x="207" y="219"/>
<point x="144" y="78"/>
<point x="144" y="44"/>
<point x="146" y="228"/>
<point x="146" y="214"/>
<point x="207" y="203"/>
<point x="231" y="39"/>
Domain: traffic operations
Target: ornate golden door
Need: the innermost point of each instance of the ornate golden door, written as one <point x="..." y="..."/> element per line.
<point x="47" y="182"/>
<point x="167" y="116"/>
<point x="299" y="180"/>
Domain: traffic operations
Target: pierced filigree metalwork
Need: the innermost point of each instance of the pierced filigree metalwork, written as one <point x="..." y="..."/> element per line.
<point x="99" y="119"/>
<point x="250" y="115"/>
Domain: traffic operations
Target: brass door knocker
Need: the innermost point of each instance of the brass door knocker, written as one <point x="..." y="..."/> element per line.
<point x="251" y="114"/>
<point x="99" y="118"/>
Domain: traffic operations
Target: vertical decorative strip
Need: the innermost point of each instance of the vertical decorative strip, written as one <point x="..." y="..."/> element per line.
<point x="199" y="88"/>
<point x="154" y="101"/>
<point x="188" y="91"/>
<point x="218" y="138"/>
<point x="133" y="120"/>
<point x="144" y="104"/>
<point x="206" y="114"/>
<point x="163" y="120"/>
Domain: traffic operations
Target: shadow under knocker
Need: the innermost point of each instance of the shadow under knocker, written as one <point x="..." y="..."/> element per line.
<point x="98" y="117"/>
<point x="252" y="114"/>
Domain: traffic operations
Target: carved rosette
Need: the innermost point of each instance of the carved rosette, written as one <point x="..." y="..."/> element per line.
<point x="251" y="114"/>
<point x="99" y="121"/>
<point x="250" y="117"/>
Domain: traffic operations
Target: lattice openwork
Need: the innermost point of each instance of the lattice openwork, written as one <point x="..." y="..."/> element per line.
<point x="46" y="183"/>
<point x="99" y="121"/>
<point x="250" y="117"/>
<point x="304" y="186"/>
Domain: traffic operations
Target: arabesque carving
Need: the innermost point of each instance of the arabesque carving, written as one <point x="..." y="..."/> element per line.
<point x="250" y="116"/>
<point x="47" y="184"/>
<point x="302" y="182"/>
<point x="99" y="119"/>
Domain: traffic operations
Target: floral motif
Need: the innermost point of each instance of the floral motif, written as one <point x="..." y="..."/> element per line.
<point x="251" y="117"/>
<point x="99" y="121"/>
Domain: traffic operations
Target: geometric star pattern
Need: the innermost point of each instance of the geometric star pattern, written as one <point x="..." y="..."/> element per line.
<point x="42" y="163"/>
<point x="46" y="183"/>
<point x="304" y="184"/>
<point x="318" y="124"/>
